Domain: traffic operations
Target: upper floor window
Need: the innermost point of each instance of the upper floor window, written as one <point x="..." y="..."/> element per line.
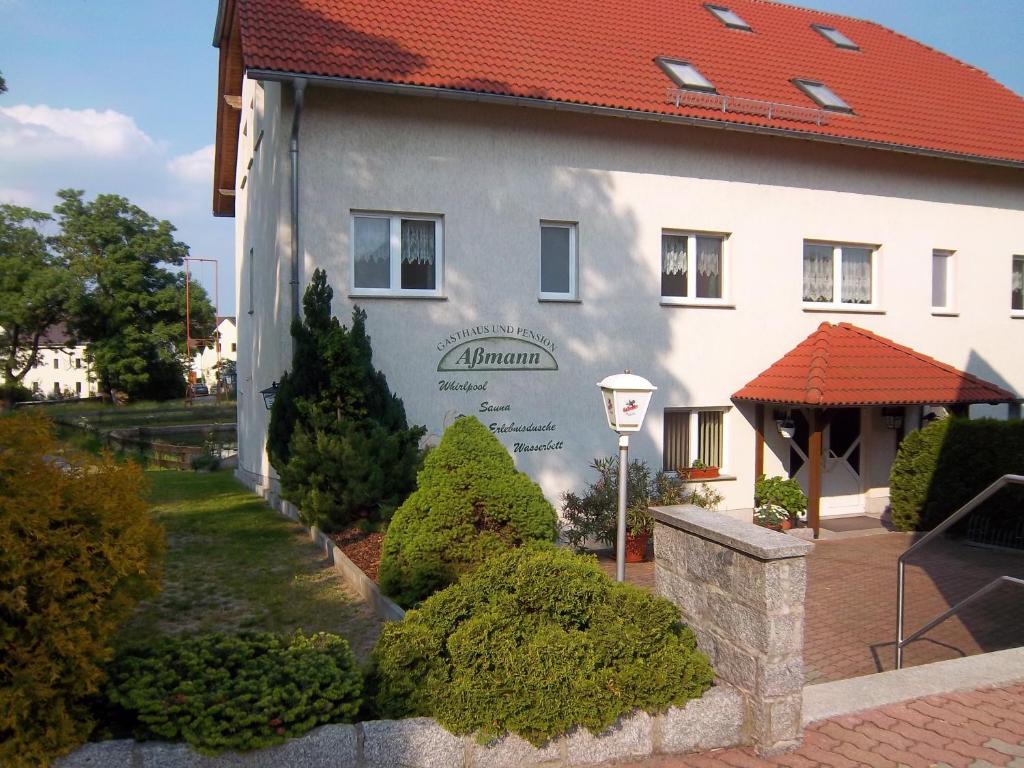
<point x="727" y="17"/>
<point x="692" y="268"/>
<point x="685" y="75"/>
<point x="835" y="37"/>
<point x="942" y="281"/>
<point x="396" y="254"/>
<point x="823" y="96"/>
<point x="558" y="261"/>
<point x="842" y="276"/>
<point x="56" y="362"/>
<point x="1017" y="285"/>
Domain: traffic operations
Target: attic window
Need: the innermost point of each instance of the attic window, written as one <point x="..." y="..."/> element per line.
<point x="823" y="96"/>
<point x="685" y="75"/>
<point x="727" y="17"/>
<point x="835" y="37"/>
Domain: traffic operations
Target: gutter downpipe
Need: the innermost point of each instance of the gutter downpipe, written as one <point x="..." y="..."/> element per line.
<point x="299" y="91"/>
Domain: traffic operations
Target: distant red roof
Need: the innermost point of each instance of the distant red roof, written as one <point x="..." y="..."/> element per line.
<point x="843" y="365"/>
<point x="602" y="53"/>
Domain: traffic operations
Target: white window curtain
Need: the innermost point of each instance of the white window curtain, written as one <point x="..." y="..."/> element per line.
<point x="856" y="285"/>
<point x="1018" y="275"/>
<point x="373" y="243"/>
<point x="673" y="254"/>
<point x="709" y="256"/>
<point x="818" y="272"/>
<point x="417" y="242"/>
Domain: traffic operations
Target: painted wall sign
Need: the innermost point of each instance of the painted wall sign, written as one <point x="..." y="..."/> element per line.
<point x="497" y="353"/>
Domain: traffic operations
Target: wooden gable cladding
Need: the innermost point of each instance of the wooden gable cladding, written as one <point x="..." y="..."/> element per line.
<point x="229" y="112"/>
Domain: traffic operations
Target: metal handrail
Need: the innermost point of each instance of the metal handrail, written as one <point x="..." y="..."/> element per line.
<point x="966" y="509"/>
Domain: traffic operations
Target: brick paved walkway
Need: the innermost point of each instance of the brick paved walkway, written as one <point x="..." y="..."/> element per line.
<point x="959" y="730"/>
<point x="851" y="603"/>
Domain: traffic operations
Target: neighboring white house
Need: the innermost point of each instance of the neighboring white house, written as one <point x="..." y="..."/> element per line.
<point x="225" y="347"/>
<point x="61" y="368"/>
<point x="525" y="201"/>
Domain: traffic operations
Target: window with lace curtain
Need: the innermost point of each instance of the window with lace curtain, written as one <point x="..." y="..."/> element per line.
<point x="692" y="268"/>
<point x="395" y="254"/>
<point x="839" y="276"/>
<point x="1017" y="286"/>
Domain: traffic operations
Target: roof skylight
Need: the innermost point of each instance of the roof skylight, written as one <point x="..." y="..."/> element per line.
<point x="823" y="95"/>
<point x="835" y="37"/>
<point x="727" y="17"/>
<point x="685" y="75"/>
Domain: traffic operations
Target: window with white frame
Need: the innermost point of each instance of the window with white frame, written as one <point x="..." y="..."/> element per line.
<point x="692" y="267"/>
<point x="1017" y="285"/>
<point x="693" y="434"/>
<point x="842" y="276"/>
<point x="252" y="281"/>
<point x="558" y="261"/>
<point x="942" y="281"/>
<point x="396" y="254"/>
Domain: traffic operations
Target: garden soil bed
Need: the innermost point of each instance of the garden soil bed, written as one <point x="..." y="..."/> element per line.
<point x="361" y="548"/>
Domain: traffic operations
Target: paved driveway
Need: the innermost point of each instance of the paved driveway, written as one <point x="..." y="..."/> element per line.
<point x="851" y="603"/>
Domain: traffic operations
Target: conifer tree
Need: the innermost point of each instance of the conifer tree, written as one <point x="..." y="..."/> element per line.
<point x="338" y="436"/>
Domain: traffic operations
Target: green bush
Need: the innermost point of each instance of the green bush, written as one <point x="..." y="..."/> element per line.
<point x="779" y="493"/>
<point x="240" y="692"/>
<point x="337" y="436"/>
<point x="940" y="467"/>
<point x="535" y="642"/>
<point x="471" y="503"/>
<point x="77" y="550"/>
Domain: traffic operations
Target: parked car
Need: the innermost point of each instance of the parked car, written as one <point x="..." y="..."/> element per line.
<point x="200" y="389"/>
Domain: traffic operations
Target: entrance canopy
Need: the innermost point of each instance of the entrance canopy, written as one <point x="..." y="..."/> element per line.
<point x="845" y="366"/>
<point x="841" y="367"/>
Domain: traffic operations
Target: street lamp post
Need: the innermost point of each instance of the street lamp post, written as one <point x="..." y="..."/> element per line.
<point x="626" y="398"/>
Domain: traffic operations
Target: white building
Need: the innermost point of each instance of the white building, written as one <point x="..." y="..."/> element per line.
<point x="224" y="347"/>
<point x="525" y="202"/>
<point x="61" y="368"/>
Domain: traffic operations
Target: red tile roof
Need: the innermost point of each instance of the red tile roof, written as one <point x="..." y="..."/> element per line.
<point x="602" y="54"/>
<point x="843" y="365"/>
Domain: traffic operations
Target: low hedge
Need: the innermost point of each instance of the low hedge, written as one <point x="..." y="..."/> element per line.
<point x="940" y="467"/>
<point x="536" y="641"/>
<point x="241" y="691"/>
<point x="470" y="503"/>
<point x="77" y="550"/>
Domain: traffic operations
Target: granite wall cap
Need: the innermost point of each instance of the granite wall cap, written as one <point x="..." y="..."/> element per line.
<point x="747" y="538"/>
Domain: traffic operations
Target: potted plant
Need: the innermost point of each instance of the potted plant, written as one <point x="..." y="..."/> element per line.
<point x="772" y="516"/>
<point x="639" y="527"/>
<point x="698" y="470"/>
<point x="774" y="496"/>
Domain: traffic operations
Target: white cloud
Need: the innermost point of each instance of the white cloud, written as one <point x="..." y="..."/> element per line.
<point x="44" y="131"/>
<point x="16" y="196"/>
<point x="194" y="167"/>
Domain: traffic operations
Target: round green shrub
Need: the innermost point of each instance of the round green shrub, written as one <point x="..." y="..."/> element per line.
<point x="942" y="466"/>
<point x="470" y="503"/>
<point x="242" y="691"/>
<point x="537" y="641"/>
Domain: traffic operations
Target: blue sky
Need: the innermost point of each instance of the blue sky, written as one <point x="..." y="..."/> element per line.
<point x="119" y="96"/>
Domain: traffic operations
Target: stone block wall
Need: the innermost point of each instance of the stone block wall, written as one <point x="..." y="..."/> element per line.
<point x="741" y="590"/>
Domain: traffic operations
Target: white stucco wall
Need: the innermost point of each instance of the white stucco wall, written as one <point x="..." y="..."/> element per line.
<point x="65" y="368"/>
<point x="494" y="173"/>
<point x="204" y="362"/>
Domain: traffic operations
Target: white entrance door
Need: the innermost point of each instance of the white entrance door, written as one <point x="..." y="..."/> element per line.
<point x="841" y="489"/>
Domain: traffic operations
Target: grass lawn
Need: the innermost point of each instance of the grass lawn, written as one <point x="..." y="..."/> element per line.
<point x="233" y="563"/>
<point x="140" y="414"/>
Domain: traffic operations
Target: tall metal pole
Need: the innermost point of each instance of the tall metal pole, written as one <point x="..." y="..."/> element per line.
<point x="620" y="539"/>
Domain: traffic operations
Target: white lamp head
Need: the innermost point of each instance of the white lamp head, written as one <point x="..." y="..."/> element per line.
<point x="626" y="398"/>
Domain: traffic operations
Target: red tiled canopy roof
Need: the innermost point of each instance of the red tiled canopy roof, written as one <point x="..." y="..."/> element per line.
<point x="602" y="53"/>
<point x="843" y="365"/>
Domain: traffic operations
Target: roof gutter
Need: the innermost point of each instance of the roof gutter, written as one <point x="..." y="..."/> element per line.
<point x="298" y="102"/>
<point x="376" y="86"/>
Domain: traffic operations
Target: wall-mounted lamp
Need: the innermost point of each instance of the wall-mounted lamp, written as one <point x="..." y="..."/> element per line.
<point x="269" y="394"/>
<point x="893" y="417"/>
<point x="785" y="424"/>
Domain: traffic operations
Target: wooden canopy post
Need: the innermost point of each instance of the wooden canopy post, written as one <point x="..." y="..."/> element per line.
<point x="814" y="472"/>
<point x="758" y="440"/>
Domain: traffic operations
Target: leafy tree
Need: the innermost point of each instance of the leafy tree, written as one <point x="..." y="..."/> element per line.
<point x="338" y="437"/>
<point x="35" y="288"/>
<point x="131" y="308"/>
<point x="3" y="84"/>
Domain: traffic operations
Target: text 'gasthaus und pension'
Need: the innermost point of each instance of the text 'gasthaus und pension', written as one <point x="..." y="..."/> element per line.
<point x="496" y="329"/>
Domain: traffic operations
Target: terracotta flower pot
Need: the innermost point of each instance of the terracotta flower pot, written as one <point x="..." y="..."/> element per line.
<point x="693" y="473"/>
<point x="636" y="547"/>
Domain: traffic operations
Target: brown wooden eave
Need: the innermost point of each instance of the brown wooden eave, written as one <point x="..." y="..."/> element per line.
<point x="229" y="96"/>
